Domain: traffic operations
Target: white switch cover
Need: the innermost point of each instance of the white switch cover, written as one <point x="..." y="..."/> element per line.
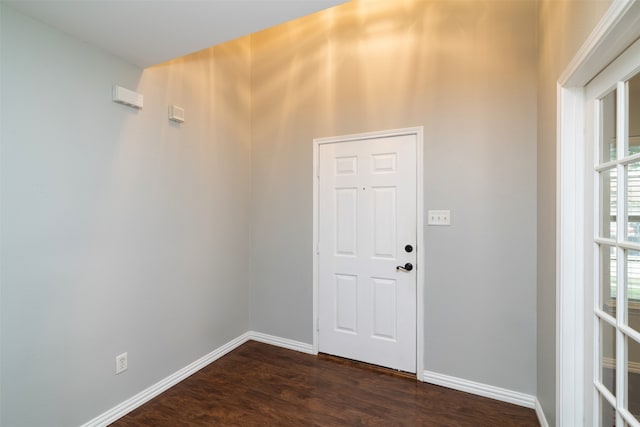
<point x="439" y="217"/>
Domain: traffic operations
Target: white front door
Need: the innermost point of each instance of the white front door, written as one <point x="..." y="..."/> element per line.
<point x="367" y="250"/>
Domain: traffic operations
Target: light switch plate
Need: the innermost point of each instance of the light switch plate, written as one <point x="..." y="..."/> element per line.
<point x="442" y="217"/>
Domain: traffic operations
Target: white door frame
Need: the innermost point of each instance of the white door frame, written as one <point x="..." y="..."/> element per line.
<point x="420" y="250"/>
<point x="616" y="31"/>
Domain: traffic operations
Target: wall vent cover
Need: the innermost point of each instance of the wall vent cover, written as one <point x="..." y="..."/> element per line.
<point x="127" y="97"/>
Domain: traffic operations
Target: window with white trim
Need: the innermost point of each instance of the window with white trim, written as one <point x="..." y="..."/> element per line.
<point x="617" y="246"/>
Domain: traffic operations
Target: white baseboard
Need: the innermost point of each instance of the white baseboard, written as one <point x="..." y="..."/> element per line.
<point x="480" y="389"/>
<point x="540" y="413"/>
<point x="281" y="342"/>
<point x="146" y="395"/>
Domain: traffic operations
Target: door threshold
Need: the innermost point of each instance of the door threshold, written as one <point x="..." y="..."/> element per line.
<point x="368" y="366"/>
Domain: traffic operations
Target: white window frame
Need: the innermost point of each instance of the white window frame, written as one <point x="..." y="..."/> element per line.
<point x="617" y="30"/>
<point x="613" y="78"/>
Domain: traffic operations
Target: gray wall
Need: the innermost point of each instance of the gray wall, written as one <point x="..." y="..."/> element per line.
<point x="563" y="28"/>
<point x="466" y="71"/>
<point x="120" y="231"/>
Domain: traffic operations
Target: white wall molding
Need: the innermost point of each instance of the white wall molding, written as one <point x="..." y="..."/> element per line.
<point x="617" y="29"/>
<point x="479" y="389"/>
<point x="281" y="342"/>
<point x="146" y="395"/>
<point x="540" y="413"/>
<point x="161" y="386"/>
<point x="460" y="384"/>
<point x="570" y="256"/>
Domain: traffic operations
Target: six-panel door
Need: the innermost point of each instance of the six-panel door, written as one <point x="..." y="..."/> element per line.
<point x="367" y="215"/>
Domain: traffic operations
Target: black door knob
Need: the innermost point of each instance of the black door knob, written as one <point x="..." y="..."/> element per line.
<point x="408" y="248"/>
<point x="407" y="267"/>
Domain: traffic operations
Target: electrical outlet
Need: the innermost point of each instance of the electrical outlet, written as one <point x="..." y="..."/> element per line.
<point x="439" y="217"/>
<point x="121" y="363"/>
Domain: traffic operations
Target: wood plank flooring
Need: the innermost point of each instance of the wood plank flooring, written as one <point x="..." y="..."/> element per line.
<point x="262" y="385"/>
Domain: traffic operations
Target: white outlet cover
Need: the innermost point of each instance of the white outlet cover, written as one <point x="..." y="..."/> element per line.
<point x="439" y="217"/>
<point x="121" y="363"/>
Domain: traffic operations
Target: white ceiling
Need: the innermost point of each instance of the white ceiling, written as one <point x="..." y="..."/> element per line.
<point x="148" y="32"/>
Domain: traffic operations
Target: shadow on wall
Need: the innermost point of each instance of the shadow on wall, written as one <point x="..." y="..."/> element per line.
<point x="467" y="72"/>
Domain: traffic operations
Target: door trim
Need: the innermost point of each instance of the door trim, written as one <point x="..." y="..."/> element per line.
<point x="420" y="262"/>
<point x="616" y="31"/>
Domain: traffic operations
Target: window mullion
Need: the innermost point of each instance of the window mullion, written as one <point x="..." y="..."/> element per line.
<point x="622" y="224"/>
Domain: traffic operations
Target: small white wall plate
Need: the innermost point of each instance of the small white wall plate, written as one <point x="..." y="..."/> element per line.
<point x="176" y="114"/>
<point x="439" y="217"/>
<point x="127" y="97"/>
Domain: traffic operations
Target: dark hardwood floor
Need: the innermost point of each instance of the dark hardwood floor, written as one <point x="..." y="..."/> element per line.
<point x="262" y="385"/>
